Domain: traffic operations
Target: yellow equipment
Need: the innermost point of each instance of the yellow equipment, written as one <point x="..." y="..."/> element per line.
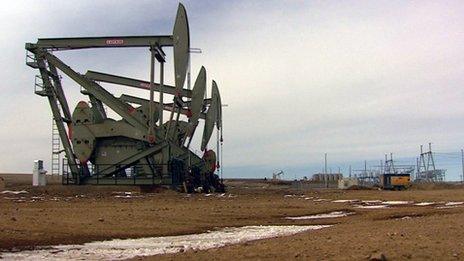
<point x="395" y="181"/>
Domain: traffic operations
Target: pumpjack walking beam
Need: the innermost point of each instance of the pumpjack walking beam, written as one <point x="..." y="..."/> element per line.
<point x="120" y="80"/>
<point x="60" y="44"/>
<point x="166" y="106"/>
<point x="124" y="110"/>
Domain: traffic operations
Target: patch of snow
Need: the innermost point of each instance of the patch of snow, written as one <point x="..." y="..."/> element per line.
<point x="120" y="249"/>
<point x="371" y="206"/>
<point x="424" y="203"/>
<point x="454" y="203"/>
<point x="335" y="214"/>
<point x="294" y="196"/>
<point x="320" y="199"/>
<point x="396" y="202"/>
<point x="120" y="196"/>
<point x="14" y="192"/>
<point x="127" y="196"/>
<point x="444" y="207"/>
<point x="372" y="201"/>
<point x="345" y="201"/>
<point x="122" y="192"/>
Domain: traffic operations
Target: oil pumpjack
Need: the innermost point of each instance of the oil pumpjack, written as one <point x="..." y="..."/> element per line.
<point x="141" y="148"/>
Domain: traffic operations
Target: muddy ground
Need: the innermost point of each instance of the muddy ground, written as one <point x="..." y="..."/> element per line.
<point x="68" y="214"/>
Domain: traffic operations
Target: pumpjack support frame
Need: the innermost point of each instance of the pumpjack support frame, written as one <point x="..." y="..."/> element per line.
<point x="141" y="146"/>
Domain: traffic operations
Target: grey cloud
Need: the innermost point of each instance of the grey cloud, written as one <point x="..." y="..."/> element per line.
<point x="356" y="79"/>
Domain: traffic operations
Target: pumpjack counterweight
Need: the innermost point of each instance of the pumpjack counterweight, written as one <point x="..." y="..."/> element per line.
<point x="141" y="148"/>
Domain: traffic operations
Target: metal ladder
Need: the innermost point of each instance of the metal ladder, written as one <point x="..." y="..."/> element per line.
<point x="39" y="87"/>
<point x="66" y="178"/>
<point x="31" y="61"/>
<point x="56" y="150"/>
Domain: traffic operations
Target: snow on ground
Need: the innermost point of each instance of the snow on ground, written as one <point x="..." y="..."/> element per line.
<point x="320" y="200"/>
<point x="424" y="203"/>
<point x="334" y="214"/>
<point x="371" y="206"/>
<point x="396" y="202"/>
<point x="454" y="203"/>
<point x="446" y="207"/>
<point x="372" y="201"/>
<point x="14" y="192"/>
<point x="120" y="249"/>
<point x="345" y="201"/>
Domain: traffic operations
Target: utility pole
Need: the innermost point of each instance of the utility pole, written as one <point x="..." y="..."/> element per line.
<point x="365" y="168"/>
<point x="418" y="167"/>
<point x="391" y="158"/>
<point x="462" y="161"/>
<point x="325" y="162"/>
<point x="350" y="172"/>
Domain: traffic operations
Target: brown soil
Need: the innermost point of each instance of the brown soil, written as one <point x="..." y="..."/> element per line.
<point x="68" y="214"/>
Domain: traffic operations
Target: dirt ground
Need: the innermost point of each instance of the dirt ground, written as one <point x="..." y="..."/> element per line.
<point x="69" y="214"/>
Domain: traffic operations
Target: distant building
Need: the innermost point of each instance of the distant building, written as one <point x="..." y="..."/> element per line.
<point x="327" y="177"/>
<point x="346" y="183"/>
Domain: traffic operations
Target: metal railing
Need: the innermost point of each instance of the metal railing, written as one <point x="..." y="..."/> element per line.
<point x="138" y="174"/>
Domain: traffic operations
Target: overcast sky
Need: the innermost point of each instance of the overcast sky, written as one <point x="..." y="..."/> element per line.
<point x="355" y="79"/>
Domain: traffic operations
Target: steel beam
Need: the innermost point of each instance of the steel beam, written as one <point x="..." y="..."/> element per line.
<point x="151" y="105"/>
<point x="124" y="110"/>
<point x="132" y="159"/>
<point x="97" y="108"/>
<point x="161" y="96"/>
<point x="166" y="106"/>
<point x="60" y="93"/>
<point x="114" y="79"/>
<point x="101" y="42"/>
<point x="53" y="101"/>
